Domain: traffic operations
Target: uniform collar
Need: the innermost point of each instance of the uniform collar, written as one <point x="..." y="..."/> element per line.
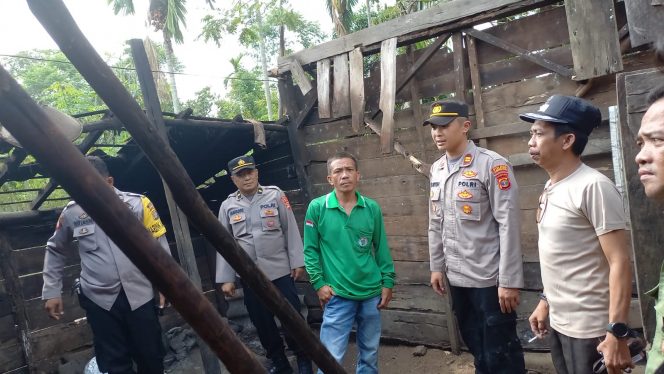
<point x="331" y="201"/>
<point x="239" y="196"/>
<point x="467" y="157"/>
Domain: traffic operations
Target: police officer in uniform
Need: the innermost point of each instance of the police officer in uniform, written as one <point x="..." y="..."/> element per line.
<point x="261" y="220"/>
<point x="474" y="237"/>
<point x="117" y="297"/>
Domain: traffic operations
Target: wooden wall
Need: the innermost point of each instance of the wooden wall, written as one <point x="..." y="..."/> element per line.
<point x="510" y="86"/>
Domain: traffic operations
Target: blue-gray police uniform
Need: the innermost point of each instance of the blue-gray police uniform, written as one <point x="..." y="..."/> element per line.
<point x="116" y="295"/>
<point x="265" y="227"/>
<point x="474" y="237"/>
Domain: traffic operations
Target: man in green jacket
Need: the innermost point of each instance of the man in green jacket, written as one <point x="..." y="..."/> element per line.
<point x="650" y="159"/>
<point x="349" y="262"/>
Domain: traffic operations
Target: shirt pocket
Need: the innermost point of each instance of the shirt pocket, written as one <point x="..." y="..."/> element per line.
<point x="270" y="219"/>
<point x="362" y="240"/>
<point x="238" y="223"/>
<point x="87" y="240"/>
<point x="467" y="197"/>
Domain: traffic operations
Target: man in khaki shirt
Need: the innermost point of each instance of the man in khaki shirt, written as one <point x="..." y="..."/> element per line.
<point x="585" y="263"/>
<point x="474" y="237"/>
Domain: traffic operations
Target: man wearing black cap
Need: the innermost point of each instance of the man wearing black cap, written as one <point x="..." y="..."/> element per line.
<point x="261" y="220"/>
<point x="651" y="172"/>
<point x="474" y="237"/>
<point x="584" y="260"/>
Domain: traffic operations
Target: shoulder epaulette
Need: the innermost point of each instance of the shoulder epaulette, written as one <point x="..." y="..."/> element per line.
<point x="133" y="194"/>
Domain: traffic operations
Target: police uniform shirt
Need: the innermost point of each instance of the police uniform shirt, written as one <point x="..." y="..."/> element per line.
<point x="105" y="269"/>
<point x="266" y="229"/>
<point x="474" y="232"/>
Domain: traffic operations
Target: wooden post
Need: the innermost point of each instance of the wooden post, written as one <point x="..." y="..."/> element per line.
<point x="13" y="287"/>
<point x="61" y="26"/>
<point x="178" y="218"/>
<point x="477" y="85"/>
<point x="357" y="100"/>
<point x="459" y="67"/>
<point x="340" y="99"/>
<point x="416" y="107"/>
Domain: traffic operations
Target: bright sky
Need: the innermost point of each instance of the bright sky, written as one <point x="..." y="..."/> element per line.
<point x="206" y="64"/>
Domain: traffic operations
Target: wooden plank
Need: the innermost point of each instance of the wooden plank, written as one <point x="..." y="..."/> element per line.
<point x="13" y="287"/>
<point x="356" y="88"/>
<point x="477" y="86"/>
<point x="432" y="21"/>
<point x="31" y="284"/>
<point x="54" y="341"/>
<point x="461" y="73"/>
<point x="412" y="273"/>
<point x="421" y="61"/>
<point x="417" y="298"/>
<point x="341" y="87"/>
<point x="11" y="356"/>
<point x="416" y="106"/>
<point x="646" y="218"/>
<point x="30" y="236"/>
<point x="388" y="51"/>
<point x="645" y="21"/>
<point x="410" y="248"/>
<point x="300" y="77"/>
<point x="323" y="79"/>
<point x="414" y="327"/>
<point x="31" y="260"/>
<point x="11" y="164"/>
<point x="300" y="153"/>
<point x="517" y="69"/>
<point x="594" y="38"/>
<point x="38" y="318"/>
<point x="523" y="53"/>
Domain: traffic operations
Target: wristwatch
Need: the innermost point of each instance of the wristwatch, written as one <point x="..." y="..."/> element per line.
<point x="619" y="330"/>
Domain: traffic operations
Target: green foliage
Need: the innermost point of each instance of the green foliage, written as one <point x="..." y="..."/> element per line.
<point x="248" y="20"/>
<point x="245" y="95"/>
<point x="204" y="102"/>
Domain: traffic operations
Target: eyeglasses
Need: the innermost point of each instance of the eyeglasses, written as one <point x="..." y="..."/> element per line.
<point x="541" y="205"/>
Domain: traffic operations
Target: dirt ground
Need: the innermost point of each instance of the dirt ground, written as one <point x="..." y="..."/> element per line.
<point x="399" y="359"/>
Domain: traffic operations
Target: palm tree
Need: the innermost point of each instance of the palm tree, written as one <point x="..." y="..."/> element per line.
<point x="165" y="16"/>
<point x="341" y="12"/>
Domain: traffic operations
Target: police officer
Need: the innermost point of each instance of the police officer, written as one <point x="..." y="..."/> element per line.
<point x="117" y="297"/>
<point x="261" y="220"/>
<point x="474" y="237"/>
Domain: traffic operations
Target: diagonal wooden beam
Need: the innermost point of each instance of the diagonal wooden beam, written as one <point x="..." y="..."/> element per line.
<point x="424" y="58"/>
<point x="47" y="190"/>
<point x="513" y="48"/>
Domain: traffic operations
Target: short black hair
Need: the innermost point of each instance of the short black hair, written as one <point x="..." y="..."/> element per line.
<point x="339" y="156"/>
<point x="580" y="137"/>
<point x="99" y="165"/>
<point x="655" y="95"/>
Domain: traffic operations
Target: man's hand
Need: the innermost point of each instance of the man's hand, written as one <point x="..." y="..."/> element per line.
<point x="437" y="282"/>
<point x="297" y="273"/>
<point x="228" y="289"/>
<point x="54" y="308"/>
<point x="385" y="298"/>
<point x="616" y="354"/>
<point x="537" y="320"/>
<point x="508" y="299"/>
<point x="325" y="293"/>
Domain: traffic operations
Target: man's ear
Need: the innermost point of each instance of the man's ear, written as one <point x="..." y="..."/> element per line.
<point x="329" y="180"/>
<point x="110" y="180"/>
<point x="568" y="141"/>
<point x="466" y="127"/>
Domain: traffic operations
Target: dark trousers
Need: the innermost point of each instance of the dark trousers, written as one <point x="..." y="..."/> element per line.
<point x="489" y="334"/>
<point x="572" y="355"/>
<point x="263" y="319"/>
<point x="122" y="335"/>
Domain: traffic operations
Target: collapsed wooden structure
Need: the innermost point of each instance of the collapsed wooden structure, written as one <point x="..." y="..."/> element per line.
<point x="524" y="51"/>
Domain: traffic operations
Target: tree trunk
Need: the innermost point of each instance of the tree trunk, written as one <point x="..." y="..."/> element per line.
<point x="266" y="84"/>
<point x="170" y="62"/>
<point x="282" y="53"/>
<point x="368" y="13"/>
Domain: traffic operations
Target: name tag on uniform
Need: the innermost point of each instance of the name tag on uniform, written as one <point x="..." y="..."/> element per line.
<point x="435" y="193"/>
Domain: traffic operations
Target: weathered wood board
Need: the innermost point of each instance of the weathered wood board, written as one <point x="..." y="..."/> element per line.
<point x="388" y="83"/>
<point x="341" y="87"/>
<point x="323" y="83"/>
<point x="356" y="88"/>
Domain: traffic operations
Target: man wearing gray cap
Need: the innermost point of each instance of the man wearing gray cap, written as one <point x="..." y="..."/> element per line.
<point x="261" y="220"/>
<point x="474" y="237"/>
<point x="584" y="260"/>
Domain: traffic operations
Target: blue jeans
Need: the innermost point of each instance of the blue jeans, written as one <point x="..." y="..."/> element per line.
<point x="338" y="319"/>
